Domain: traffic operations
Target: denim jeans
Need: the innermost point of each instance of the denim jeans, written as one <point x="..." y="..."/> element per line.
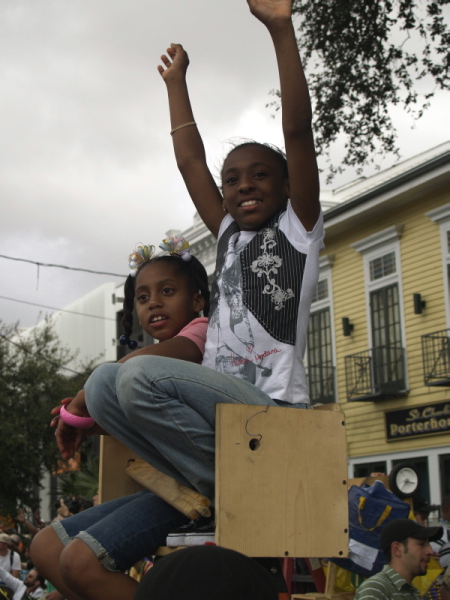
<point x="164" y="410"/>
<point x="121" y="532"/>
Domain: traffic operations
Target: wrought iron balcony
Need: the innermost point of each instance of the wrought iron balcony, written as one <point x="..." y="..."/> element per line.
<point x="321" y="382"/>
<point x="376" y="374"/>
<point x="436" y="358"/>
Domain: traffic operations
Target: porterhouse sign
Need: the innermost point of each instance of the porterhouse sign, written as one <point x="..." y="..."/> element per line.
<point x="432" y="419"/>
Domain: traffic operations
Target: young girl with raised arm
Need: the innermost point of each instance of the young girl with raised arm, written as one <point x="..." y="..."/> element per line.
<point x="271" y="235"/>
<point x="269" y="240"/>
<point x="84" y="555"/>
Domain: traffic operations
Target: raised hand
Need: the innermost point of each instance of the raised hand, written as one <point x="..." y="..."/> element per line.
<point x="176" y="62"/>
<point x="270" y="10"/>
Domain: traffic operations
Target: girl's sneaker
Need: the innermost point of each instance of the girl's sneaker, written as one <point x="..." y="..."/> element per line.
<point x="202" y="533"/>
<point x="193" y="533"/>
<point x="177" y="537"/>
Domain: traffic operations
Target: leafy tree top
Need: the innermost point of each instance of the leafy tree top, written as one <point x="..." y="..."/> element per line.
<point x="362" y="58"/>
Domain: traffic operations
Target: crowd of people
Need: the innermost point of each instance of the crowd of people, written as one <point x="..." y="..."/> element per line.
<point x="19" y="578"/>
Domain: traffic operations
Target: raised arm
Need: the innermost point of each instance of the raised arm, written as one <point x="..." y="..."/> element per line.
<point x="276" y="15"/>
<point x="187" y="143"/>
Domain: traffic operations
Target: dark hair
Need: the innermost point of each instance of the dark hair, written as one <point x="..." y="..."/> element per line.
<point x="278" y="154"/>
<point x="205" y="572"/>
<point x="193" y="270"/>
<point x="39" y="578"/>
<point x="388" y="551"/>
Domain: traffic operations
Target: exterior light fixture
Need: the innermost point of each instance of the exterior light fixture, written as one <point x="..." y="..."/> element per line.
<point x="347" y="327"/>
<point x="419" y="304"/>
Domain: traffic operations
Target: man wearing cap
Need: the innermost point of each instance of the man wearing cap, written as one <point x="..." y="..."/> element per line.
<point x="9" y="560"/>
<point x="406" y="545"/>
<point x="422" y="509"/>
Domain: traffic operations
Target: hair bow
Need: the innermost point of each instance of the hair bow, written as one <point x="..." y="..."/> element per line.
<point x="141" y="254"/>
<point x="176" y="245"/>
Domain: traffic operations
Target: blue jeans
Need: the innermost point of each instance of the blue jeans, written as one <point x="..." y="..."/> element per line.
<point x="164" y="410"/>
<point x="121" y="532"/>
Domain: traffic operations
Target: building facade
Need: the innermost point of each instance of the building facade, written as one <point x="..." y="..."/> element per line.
<point x="379" y="331"/>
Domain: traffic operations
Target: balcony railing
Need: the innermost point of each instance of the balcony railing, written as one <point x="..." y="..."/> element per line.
<point x="376" y="374"/>
<point x="436" y="358"/>
<point x="321" y="384"/>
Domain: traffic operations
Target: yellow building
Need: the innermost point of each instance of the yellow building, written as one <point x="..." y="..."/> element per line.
<point x="378" y="340"/>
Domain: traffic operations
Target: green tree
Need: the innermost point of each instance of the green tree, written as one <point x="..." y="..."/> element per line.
<point x="33" y="379"/>
<point x="364" y="57"/>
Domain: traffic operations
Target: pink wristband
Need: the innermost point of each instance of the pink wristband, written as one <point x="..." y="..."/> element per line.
<point x="74" y="421"/>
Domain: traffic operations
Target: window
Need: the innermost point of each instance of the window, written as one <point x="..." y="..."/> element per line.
<point x="379" y="372"/>
<point x="365" y="469"/>
<point x="436" y="344"/>
<point x="432" y="466"/>
<point x="320" y="356"/>
<point x="441" y="216"/>
<point x="382" y="266"/>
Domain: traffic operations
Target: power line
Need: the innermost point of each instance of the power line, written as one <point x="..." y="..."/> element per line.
<point x="39" y="264"/>
<point x="73" y="312"/>
<point x="42" y="357"/>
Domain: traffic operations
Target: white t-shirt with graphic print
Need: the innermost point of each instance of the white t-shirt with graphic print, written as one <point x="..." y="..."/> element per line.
<point x="237" y="341"/>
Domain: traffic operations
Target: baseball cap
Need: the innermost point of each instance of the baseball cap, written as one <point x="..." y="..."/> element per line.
<point x="400" y="529"/>
<point x="4" y="537"/>
<point x="205" y="572"/>
<point x="420" y="505"/>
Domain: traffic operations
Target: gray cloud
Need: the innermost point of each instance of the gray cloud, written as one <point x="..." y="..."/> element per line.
<point x="86" y="164"/>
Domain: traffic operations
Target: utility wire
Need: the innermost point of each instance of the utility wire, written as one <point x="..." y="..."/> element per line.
<point x="42" y="357"/>
<point x="39" y="264"/>
<point x="72" y="312"/>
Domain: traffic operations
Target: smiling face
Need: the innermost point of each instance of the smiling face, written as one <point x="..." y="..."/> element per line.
<point x="165" y="300"/>
<point x="254" y="184"/>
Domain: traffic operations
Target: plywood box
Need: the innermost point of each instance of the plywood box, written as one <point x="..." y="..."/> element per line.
<point x="113" y="480"/>
<point x="281" y="481"/>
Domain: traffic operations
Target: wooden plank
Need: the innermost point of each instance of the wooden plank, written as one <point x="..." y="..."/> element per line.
<point x="288" y="496"/>
<point x="113" y="480"/>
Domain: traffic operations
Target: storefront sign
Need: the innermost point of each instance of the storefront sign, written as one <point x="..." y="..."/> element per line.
<point x="431" y="419"/>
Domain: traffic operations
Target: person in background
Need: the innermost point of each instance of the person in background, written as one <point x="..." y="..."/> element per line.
<point x="35" y="584"/>
<point x="9" y="560"/>
<point x="9" y="582"/>
<point x="406" y="545"/>
<point x="422" y="510"/>
<point x="206" y="572"/>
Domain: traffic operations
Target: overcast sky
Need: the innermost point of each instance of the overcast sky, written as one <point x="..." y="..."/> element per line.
<point x="86" y="167"/>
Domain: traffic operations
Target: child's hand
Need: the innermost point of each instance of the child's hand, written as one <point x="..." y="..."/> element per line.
<point x="77" y="407"/>
<point x="175" y="63"/>
<point x="68" y="439"/>
<point x="55" y="411"/>
<point x="270" y="10"/>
